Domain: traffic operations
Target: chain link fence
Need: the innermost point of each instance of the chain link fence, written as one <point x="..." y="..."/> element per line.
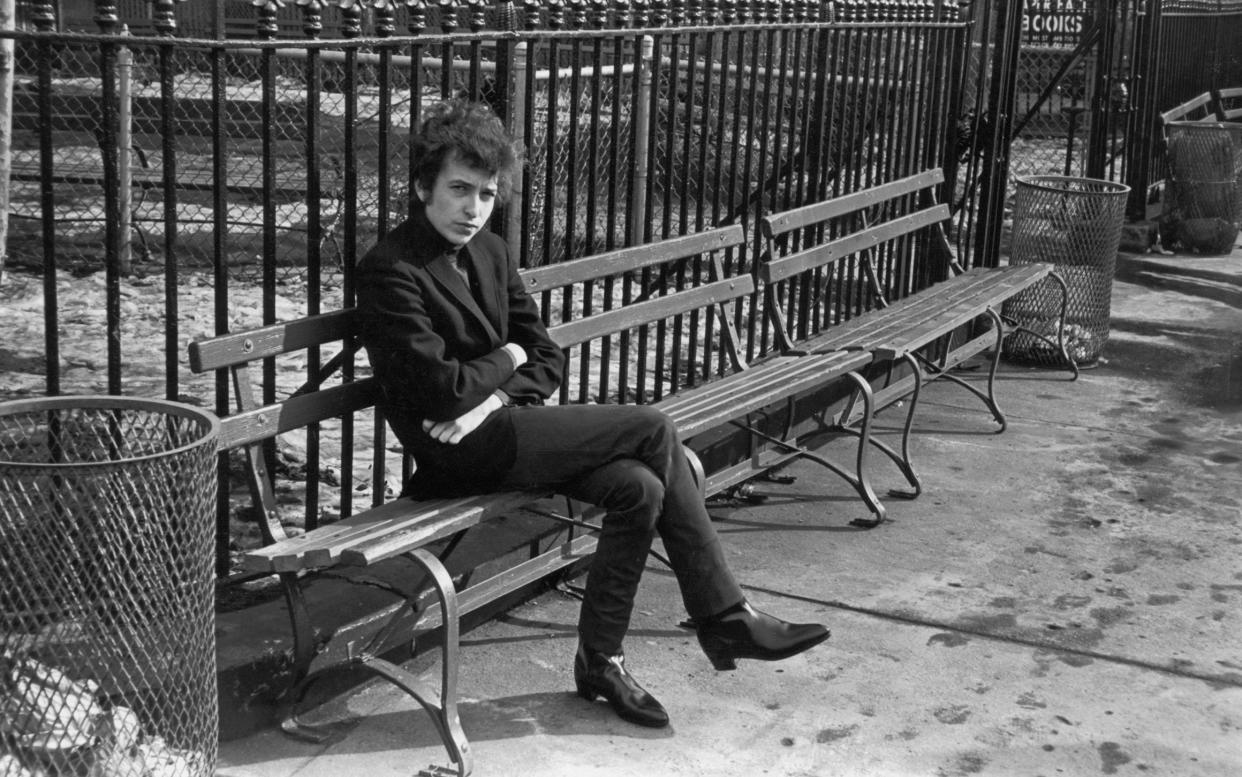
<point x="255" y="208"/>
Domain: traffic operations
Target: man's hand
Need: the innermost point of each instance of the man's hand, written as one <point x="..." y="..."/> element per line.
<point x="452" y="432"/>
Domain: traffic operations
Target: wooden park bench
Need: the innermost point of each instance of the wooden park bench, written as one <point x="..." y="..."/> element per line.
<point x="676" y="285"/>
<point x="1201" y="107"/>
<point x="896" y="221"/>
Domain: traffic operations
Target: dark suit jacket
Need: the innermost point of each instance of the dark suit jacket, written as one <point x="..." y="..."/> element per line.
<point x="436" y="349"/>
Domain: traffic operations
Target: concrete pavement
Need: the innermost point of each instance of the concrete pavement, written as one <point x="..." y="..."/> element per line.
<point x="1063" y="599"/>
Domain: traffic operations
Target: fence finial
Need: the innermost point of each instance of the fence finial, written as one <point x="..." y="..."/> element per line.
<point x="385" y="17"/>
<point x="476" y="17"/>
<point x="266" y="25"/>
<point x="106" y="16"/>
<point x="163" y="17"/>
<point x="351" y="18"/>
<point x="448" y="15"/>
<point x="416" y="16"/>
<point x="312" y="17"/>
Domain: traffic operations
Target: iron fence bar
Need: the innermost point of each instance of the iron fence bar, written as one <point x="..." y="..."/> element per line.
<point x="770" y="127"/>
<point x="416" y="87"/>
<point x="744" y="208"/>
<point x="904" y="110"/>
<point x="706" y="43"/>
<point x="671" y="47"/>
<point x="687" y="343"/>
<point x="44" y="16"/>
<point x="831" y="280"/>
<point x="384" y="28"/>
<point x="168" y="108"/>
<point x="314" y="257"/>
<point x="350" y="27"/>
<point x="109" y="119"/>
<point x="267" y="113"/>
<point x="571" y="195"/>
<point x="854" y="148"/>
<point x="592" y="189"/>
<point x="220" y="289"/>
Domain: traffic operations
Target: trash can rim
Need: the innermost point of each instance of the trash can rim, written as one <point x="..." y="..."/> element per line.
<point x="1044" y="181"/>
<point x="111" y="402"/>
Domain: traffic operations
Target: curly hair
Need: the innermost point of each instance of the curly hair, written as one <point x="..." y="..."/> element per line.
<point x="470" y="132"/>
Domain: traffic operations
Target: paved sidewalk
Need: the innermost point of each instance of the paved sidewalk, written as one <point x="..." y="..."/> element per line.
<point x="1062" y="599"/>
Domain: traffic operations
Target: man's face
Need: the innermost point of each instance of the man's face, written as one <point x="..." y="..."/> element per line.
<point x="461" y="201"/>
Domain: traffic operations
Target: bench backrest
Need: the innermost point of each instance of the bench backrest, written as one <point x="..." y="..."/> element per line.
<point x="669" y="297"/>
<point x="253" y="422"/>
<point x="809" y="245"/>
<point x="1198" y="108"/>
<point x="661" y="284"/>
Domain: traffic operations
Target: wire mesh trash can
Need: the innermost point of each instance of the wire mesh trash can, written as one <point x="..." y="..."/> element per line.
<point x="1203" y="193"/>
<point x="107" y="644"/>
<point x="1075" y="223"/>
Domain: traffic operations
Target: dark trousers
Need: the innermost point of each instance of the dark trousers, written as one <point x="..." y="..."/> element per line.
<point x="626" y="459"/>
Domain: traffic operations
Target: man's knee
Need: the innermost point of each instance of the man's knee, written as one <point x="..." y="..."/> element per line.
<point x="634" y="493"/>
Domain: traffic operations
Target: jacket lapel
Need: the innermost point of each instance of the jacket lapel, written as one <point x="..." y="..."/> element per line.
<point x="442" y="269"/>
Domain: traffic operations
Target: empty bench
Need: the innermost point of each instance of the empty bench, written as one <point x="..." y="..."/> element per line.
<point x="895" y="229"/>
<point x="675" y="291"/>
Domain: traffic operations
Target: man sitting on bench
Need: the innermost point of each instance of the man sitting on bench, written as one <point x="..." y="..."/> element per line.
<point x="465" y="364"/>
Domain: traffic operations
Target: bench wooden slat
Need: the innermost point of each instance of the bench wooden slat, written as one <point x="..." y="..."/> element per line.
<point x="272" y="340"/>
<point x="624" y="260"/>
<point x="953" y="314"/>
<point x="417" y="523"/>
<point x="778" y="269"/>
<point x="421" y="532"/>
<point x="713" y="404"/>
<point x="917" y="320"/>
<point x="796" y="218"/>
<point x="252" y="426"/>
<point x="637" y="314"/>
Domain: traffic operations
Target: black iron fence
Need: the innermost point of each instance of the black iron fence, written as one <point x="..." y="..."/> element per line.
<point x="207" y="185"/>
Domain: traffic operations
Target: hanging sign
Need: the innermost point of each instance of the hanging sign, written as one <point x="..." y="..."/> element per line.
<point x="1054" y="22"/>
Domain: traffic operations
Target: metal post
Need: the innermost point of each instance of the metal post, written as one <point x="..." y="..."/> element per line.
<point x="124" y="142"/>
<point x="642" y="136"/>
<point x="517" y="126"/>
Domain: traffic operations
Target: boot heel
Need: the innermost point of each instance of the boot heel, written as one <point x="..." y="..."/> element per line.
<point x="586" y="692"/>
<point x="717" y="651"/>
<point x="723" y="663"/>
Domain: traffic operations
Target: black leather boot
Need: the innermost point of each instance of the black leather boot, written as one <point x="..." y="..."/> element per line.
<point x="744" y="632"/>
<point x="597" y="674"/>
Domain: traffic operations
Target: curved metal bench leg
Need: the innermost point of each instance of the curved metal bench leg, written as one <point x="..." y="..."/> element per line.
<point x="859" y="481"/>
<point x="1059" y="345"/>
<point x="996" y="357"/>
<point x="440" y="705"/>
<point x="305" y="646"/>
<point x="904" y="462"/>
<point x="1073" y="365"/>
<point x="988" y="397"/>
